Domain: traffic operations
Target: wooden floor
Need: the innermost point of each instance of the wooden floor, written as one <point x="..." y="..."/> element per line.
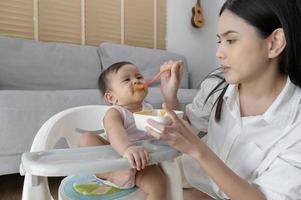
<point x="11" y="189"/>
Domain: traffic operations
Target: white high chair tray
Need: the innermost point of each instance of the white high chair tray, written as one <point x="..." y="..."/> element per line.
<point x="88" y="160"/>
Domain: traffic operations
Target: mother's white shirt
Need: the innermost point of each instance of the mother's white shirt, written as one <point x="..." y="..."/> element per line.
<point x="265" y="150"/>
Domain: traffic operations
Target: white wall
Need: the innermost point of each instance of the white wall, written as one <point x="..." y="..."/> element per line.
<point x="198" y="45"/>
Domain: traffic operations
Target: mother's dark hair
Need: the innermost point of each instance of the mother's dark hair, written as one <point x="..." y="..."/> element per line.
<point x="266" y="16"/>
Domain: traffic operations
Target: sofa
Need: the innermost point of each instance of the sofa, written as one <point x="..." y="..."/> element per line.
<point x="39" y="79"/>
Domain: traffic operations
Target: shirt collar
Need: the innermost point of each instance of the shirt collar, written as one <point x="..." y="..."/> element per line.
<point x="231" y="92"/>
<point x="285" y="106"/>
<point x="280" y="113"/>
<point x="231" y="100"/>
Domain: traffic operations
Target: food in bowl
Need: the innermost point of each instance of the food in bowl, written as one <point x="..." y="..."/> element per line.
<point x="159" y="115"/>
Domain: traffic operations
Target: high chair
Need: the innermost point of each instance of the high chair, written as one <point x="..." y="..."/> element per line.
<point x="43" y="161"/>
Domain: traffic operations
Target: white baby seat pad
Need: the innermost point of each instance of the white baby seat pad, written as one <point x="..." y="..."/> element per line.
<point x="44" y="161"/>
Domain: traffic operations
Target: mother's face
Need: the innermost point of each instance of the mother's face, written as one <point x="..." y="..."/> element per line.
<point x="243" y="54"/>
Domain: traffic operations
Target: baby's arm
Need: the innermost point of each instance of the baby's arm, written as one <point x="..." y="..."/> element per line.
<point x="113" y="123"/>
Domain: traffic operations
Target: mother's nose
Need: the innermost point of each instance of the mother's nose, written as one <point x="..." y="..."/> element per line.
<point x="220" y="52"/>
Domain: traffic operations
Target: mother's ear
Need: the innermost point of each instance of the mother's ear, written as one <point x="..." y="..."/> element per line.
<point x="277" y="43"/>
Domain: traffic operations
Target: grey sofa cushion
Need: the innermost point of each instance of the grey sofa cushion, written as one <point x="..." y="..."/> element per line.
<point x="22" y="113"/>
<point x="148" y="60"/>
<point x="27" y="64"/>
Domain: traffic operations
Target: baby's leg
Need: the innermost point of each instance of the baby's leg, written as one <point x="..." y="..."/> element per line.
<point x="153" y="182"/>
<point x="122" y="178"/>
<point x="91" y="139"/>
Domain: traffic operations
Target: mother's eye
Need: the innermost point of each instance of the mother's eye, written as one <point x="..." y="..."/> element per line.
<point x="230" y="41"/>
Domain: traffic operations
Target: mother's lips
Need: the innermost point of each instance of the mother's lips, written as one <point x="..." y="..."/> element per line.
<point x="225" y="69"/>
<point x="225" y="66"/>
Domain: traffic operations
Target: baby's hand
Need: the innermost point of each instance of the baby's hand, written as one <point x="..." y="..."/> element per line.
<point x="137" y="156"/>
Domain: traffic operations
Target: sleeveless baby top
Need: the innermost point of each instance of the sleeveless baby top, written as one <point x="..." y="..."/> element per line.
<point x="129" y="123"/>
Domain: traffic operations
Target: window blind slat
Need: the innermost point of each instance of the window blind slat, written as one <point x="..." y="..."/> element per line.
<point x="16" y="26"/>
<point x="103" y="21"/>
<point x="138" y="22"/>
<point x="59" y="20"/>
<point x="161" y="24"/>
<point x="16" y="13"/>
<point x="16" y="4"/>
<point x="16" y="18"/>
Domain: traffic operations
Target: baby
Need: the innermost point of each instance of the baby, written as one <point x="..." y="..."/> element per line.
<point x="123" y="86"/>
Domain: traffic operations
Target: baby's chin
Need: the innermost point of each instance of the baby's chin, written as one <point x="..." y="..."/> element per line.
<point x="140" y="95"/>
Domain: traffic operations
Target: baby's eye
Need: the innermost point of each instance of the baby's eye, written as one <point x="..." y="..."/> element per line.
<point x="126" y="80"/>
<point x="139" y="77"/>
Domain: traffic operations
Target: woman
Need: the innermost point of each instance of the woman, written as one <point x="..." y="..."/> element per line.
<point x="252" y="116"/>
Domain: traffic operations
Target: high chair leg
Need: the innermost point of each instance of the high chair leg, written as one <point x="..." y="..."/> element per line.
<point x="172" y="170"/>
<point x="36" y="187"/>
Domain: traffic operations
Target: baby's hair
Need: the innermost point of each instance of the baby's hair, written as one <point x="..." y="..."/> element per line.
<point x="103" y="82"/>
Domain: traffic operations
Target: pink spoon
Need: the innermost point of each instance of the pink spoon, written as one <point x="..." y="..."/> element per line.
<point x="156" y="77"/>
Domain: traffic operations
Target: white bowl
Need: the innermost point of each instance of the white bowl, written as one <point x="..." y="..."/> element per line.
<point x="158" y="115"/>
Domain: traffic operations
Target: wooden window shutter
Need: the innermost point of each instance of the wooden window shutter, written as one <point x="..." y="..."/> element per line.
<point x="103" y="21"/>
<point x="161" y="24"/>
<point x="139" y="23"/>
<point x="134" y="22"/>
<point x="60" y="20"/>
<point x="16" y="18"/>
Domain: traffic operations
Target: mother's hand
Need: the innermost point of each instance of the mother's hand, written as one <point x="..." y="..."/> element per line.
<point x="178" y="134"/>
<point x="171" y="80"/>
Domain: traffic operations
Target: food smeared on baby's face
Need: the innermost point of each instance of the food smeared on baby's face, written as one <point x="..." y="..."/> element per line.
<point x="139" y="87"/>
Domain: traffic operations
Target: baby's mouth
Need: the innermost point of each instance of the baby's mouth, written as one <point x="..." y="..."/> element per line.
<point x="139" y="87"/>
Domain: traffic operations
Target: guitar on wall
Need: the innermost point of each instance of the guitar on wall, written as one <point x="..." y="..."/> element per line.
<point x="197" y="19"/>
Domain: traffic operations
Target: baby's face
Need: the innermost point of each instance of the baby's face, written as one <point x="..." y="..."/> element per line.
<point x="127" y="85"/>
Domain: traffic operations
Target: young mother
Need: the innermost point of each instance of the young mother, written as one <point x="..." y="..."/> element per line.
<point x="252" y="115"/>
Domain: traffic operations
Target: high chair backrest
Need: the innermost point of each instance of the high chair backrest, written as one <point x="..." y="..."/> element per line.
<point x="64" y="125"/>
